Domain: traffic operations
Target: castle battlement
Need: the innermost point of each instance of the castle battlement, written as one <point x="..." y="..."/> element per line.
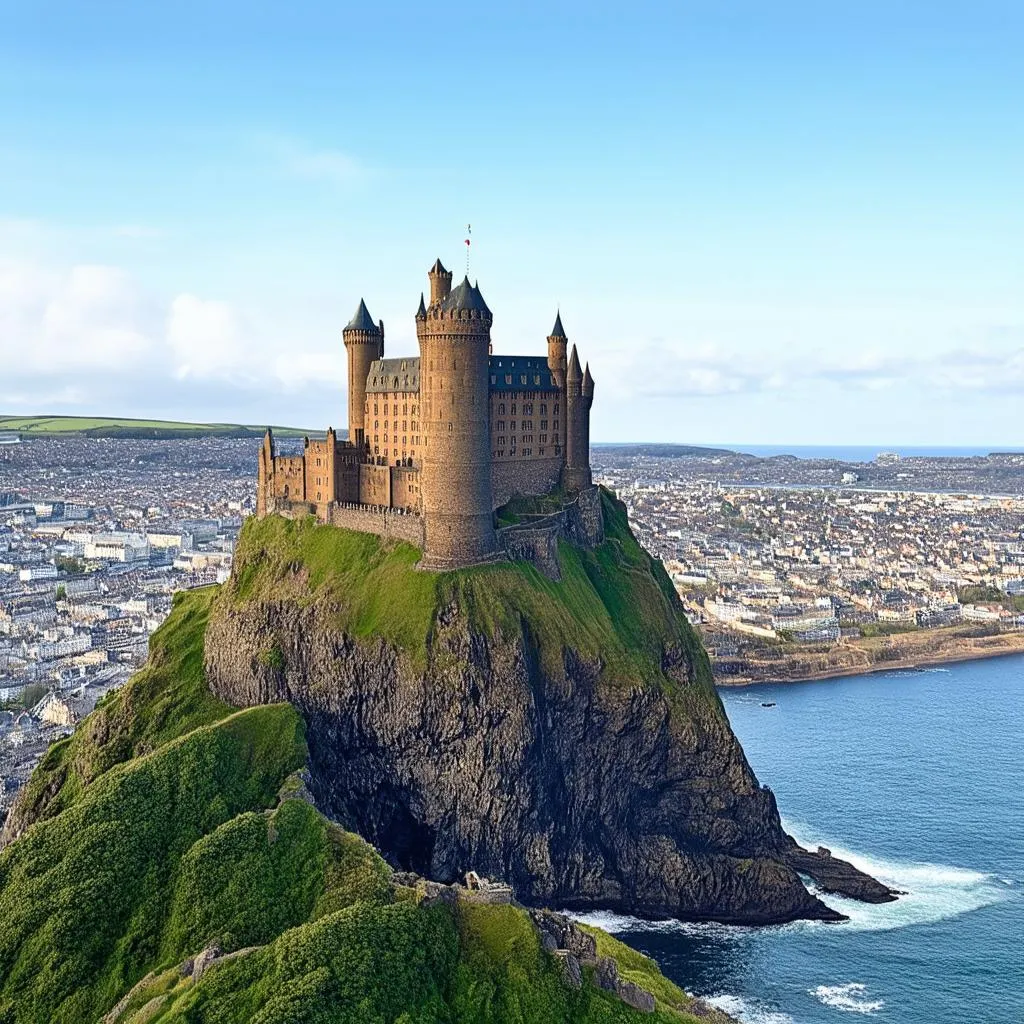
<point x="447" y="436"/>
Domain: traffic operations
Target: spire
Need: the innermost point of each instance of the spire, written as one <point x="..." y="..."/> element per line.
<point x="588" y="381"/>
<point x="437" y="268"/>
<point x="362" y="321"/>
<point x="421" y="313"/>
<point x="575" y="374"/>
<point x="557" y="331"/>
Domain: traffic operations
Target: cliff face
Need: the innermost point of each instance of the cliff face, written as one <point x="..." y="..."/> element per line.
<point x="564" y="737"/>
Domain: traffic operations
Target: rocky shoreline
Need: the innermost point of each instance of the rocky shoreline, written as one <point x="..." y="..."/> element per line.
<point x="1003" y="645"/>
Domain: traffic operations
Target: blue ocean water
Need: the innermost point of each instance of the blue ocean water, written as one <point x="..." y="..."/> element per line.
<point x="918" y="777"/>
<point x="861" y="452"/>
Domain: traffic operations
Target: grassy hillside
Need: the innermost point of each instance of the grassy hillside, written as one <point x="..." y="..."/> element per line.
<point x="47" y="426"/>
<point x="170" y="822"/>
<point x="615" y="603"/>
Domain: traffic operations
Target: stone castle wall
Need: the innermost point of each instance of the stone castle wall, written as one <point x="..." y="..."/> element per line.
<point x="393" y="524"/>
<point x="526" y="477"/>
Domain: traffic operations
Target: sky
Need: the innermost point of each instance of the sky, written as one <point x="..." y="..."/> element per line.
<point x="776" y="223"/>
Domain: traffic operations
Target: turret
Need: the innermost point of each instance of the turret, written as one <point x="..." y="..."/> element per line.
<point x="440" y="282"/>
<point x="455" y="479"/>
<point x="557" y="342"/>
<point x="265" y="474"/>
<point x="364" y="342"/>
<point x="576" y="474"/>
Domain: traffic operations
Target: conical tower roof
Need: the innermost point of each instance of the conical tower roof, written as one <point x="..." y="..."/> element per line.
<point x="466" y="296"/>
<point x="588" y="381"/>
<point x="575" y="372"/>
<point x="362" y="321"/>
<point x="557" y="331"/>
<point x="421" y="313"/>
<point x="437" y="268"/>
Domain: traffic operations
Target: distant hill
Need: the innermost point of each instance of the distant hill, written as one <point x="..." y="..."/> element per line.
<point x="663" y="451"/>
<point x="126" y="427"/>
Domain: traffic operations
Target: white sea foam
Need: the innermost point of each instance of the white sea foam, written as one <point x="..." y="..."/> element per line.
<point x="851" y="997"/>
<point x="934" y="892"/>
<point x="747" y="1011"/>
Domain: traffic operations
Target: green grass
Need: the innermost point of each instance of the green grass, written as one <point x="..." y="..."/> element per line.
<point x="170" y="824"/>
<point x="167" y="699"/>
<point x="614" y="606"/>
<point x="103" y="426"/>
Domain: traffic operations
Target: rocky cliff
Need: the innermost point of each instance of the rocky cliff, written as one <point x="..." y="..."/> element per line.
<point x="564" y="736"/>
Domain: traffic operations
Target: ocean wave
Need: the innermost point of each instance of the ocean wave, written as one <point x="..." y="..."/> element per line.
<point x="849" y="997"/>
<point x="934" y="892"/>
<point x="747" y="1010"/>
<point x="618" y="923"/>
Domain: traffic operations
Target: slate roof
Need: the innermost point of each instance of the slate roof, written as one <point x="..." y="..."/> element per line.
<point x="557" y="331"/>
<point x="465" y="296"/>
<point x="362" y="321"/>
<point x="521" y="373"/>
<point x="394" y="375"/>
<point x="507" y="373"/>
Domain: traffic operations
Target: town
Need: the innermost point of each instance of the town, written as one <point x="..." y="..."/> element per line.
<point x="789" y="568"/>
<point x="791" y="580"/>
<point x="95" y="537"/>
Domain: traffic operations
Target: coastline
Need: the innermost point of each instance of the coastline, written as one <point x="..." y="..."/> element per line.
<point x="1000" y="646"/>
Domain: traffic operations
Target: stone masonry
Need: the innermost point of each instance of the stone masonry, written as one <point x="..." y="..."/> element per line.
<point x="437" y="442"/>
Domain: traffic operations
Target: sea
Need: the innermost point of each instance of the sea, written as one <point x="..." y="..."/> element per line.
<point x="918" y="778"/>
<point x="863" y="453"/>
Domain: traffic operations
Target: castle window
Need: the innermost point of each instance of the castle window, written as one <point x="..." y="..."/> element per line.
<point x="405" y="408"/>
<point x="512" y="450"/>
<point x="449" y="427"/>
<point x="494" y="379"/>
<point x="501" y="426"/>
<point x="501" y="409"/>
<point x="540" y="451"/>
<point x="522" y="378"/>
<point x="513" y="408"/>
<point x="536" y="378"/>
<point x="554" y="425"/>
<point x="543" y="438"/>
<point x="403" y="366"/>
<point x="543" y="408"/>
<point x="543" y="423"/>
<point x="512" y="442"/>
<point x="527" y="452"/>
<point x="375" y="410"/>
<point x="385" y="408"/>
<point x="501" y="453"/>
<point x="508" y="378"/>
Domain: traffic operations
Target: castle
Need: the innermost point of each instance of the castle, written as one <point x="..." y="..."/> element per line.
<point x="437" y="442"/>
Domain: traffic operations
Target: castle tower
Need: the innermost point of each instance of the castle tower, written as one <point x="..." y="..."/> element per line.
<point x="588" y="401"/>
<point x="576" y="474"/>
<point x="557" y="343"/>
<point x="440" y="282"/>
<point x="364" y="342"/>
<point x="454" y="333"/>
<point x="265" y="473"/>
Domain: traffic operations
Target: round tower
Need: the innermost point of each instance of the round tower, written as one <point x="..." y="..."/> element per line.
<point x="454" y="333"/>
<point x="364" y="342"/>
<point x="576" y="474"/>
<point x="557" y="343"/>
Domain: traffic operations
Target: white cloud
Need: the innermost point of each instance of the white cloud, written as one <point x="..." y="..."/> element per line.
<point x="205" y="340"/>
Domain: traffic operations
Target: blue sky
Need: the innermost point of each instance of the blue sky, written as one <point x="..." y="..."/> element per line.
<point x="781" y="223"/>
